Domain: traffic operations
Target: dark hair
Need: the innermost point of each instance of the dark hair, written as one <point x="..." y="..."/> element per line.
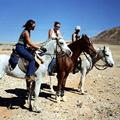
<point x="56" y="22"/>
<point x="29" y="23"/>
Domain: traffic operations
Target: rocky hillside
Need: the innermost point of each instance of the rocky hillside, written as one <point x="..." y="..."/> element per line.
<point x="111" y="36"/>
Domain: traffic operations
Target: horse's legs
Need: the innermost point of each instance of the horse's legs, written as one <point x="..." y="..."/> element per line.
<point x="63" y="88"/>
<point x="31" y="86"/>
<point x="2" y="70"/>
<point x="82" y="81"/>
<point x="37" y="91"/>
<point x="51" y="85"/>
<point x="2" y="74"/>
<point x="59" y="85"/>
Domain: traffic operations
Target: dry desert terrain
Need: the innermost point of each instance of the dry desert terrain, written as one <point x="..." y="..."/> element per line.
<point x="102" y="101"/>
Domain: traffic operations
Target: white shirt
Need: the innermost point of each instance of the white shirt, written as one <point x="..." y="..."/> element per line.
<point x="53" y="35"/>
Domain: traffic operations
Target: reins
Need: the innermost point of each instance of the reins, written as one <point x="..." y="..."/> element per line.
<point x="103" y="66"/>
<point x="97" y="66"/>
<point x="91" y="63"/>
<point x="62" y="53"/>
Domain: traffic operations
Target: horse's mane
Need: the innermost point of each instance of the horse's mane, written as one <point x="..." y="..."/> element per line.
<point x="73" y="45"/>
<point x="45" y="43"/>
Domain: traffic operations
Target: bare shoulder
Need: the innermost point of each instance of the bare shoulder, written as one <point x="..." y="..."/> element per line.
<point x="25" y="33"/>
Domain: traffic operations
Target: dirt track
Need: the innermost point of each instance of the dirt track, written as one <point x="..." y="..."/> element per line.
<point x="102" y="101"/>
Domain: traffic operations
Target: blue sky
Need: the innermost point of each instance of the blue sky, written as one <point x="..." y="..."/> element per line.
<point x="93" y="16"/>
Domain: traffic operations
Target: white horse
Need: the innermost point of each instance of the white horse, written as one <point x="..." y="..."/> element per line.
<point x="40" y="72"/>
<point x="87" y="64"/>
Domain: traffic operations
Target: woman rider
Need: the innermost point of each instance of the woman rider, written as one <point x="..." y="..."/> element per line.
<point x="54" y="34"/>
<point x="21" y="47"/>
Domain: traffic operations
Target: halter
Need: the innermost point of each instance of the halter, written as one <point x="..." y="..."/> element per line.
<point x="57" y="43"/>
<point x="62" y="53"/>
<point x="105" y="66"/>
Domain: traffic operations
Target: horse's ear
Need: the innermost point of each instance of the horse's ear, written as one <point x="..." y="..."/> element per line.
<point x="104" y="47"/>
<point x="83" y="35"/>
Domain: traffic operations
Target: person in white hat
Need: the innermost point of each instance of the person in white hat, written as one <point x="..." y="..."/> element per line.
<point x="75" y="35"/>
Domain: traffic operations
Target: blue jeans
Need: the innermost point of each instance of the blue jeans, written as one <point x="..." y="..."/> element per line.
<point x="24" y="53"/>
<point x="51" y="66"/>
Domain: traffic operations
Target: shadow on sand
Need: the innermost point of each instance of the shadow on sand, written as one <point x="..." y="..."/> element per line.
<point x="21" y="96"/>
<point x="17" y="101"/>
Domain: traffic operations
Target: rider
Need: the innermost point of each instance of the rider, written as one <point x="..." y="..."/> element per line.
<point x="22" y="48"/>
<point x="54" y="34"/>
<point x="75" y="35"/>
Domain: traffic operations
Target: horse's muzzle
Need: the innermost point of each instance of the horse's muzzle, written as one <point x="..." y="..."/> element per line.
<point x="110" y="65"/>
<point x="69" y="53"/>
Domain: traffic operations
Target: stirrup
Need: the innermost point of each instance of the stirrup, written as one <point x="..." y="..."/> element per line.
<point x="51" y="74"/>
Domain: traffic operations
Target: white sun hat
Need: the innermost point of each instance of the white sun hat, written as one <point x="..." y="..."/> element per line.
<point x="77" y="28"/>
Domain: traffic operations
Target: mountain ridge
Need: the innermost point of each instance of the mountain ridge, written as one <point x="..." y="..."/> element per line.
<point x="110" y="36"/>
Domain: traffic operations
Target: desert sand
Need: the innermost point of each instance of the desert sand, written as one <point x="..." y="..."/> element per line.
<point x="102" y="101"/>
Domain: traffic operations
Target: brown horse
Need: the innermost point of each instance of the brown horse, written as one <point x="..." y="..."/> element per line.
<point x="66" y="64"/>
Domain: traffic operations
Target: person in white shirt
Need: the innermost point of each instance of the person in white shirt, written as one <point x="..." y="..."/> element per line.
<point x="55" y="33"/>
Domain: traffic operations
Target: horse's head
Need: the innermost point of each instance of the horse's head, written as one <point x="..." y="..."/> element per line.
<point x="107" y="57"/>
<point x="87" y="46"/>
<point x="54" y="46"/>
<point x="61" y="46"/>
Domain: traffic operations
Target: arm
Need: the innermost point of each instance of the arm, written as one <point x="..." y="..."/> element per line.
<point x="28" y="41"/>
<point x="73" y="37"/>
<point x="50" y="34"/>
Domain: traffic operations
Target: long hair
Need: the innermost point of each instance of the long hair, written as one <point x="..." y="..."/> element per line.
<point x="29" y="23"/>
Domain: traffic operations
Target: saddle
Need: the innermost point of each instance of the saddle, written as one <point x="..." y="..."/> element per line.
<point x="22" y="63"/>
<point x="13" y="61"/>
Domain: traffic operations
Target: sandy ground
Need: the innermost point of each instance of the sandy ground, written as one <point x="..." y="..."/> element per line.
<point x="102" y="101"/>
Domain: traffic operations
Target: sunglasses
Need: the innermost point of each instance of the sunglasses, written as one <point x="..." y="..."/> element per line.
<point x="57" y="26"/>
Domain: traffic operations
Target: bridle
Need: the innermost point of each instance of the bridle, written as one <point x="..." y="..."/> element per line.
<point x="61" y="53"/>
<point x="97" y="66"/>
<point x="57" y="45"/>
<point x="105" y="66"/>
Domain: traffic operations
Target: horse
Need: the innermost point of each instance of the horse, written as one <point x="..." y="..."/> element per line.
<point x="104" y="54"/>
<point x="66" y="64"/>
<point x="40" y="72"/>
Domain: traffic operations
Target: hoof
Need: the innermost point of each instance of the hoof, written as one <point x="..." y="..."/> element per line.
<point x="30" y="109"/>
<point x="79" y="90"/>
<point x="37" y="110"/>
<point x="52" y="91"/>
<point x="83" y="93"/>
<point x="57" y="99"/>
<point x="63" y="99"/>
